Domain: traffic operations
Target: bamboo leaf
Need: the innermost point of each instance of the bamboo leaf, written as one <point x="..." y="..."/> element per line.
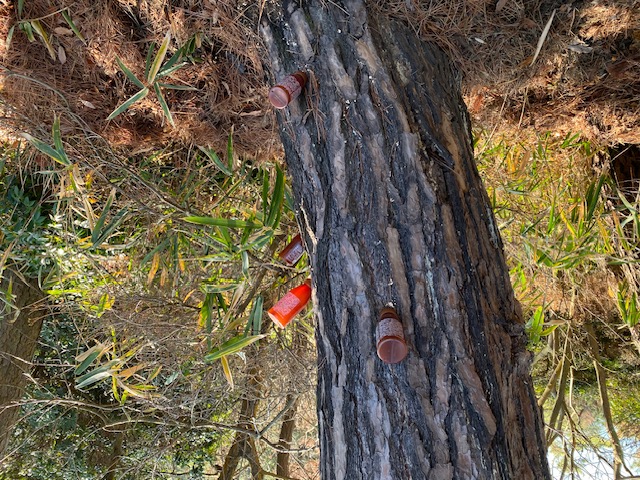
<point x="220" y="222"/>
<point x="216" y="160"/>
<point x="103" y="216"/>
<point x="277" y="198"/>
<point x="154" y="269"/>
<point x="232" y="346"/>
<point x="163" y="104"/>
<point x="592" y="197"/>
<point x="57" y="140"/>
<point x="128" y="372"/>
<point x="148" y="60"/>
<point x="96" y="375"/>
<point x="135" y="98"/>
<point x="227" y="370"/>
<point x="265" y="194"/>
<point x="7" y="42"/>
<point x="114" y="389"/>
<point x="138" y="391"/>
<point x="28" y="30"/>
<point x="168" y="71"/>
<point x="115" y="222"/>
<point x="37" y="26"/>
<point x="255" y="317"/>
<point x="157" y="62"/>
<point x="209" y="288"/>
<point x="245" y="263"/>
<point x="72" y="26"/>
<point x="541" y="40"/>
<point x="171" y="65"/>
<point x="47" y="150"/>
<point x="129" y="73"/>
<point x="177" y="87"/>
<point x="154" y="373"/>
<point x="88" y="358"/>
<point x="230" y="149"/>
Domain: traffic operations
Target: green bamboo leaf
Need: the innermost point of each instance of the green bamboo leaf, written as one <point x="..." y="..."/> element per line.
<point x="177" y="87"/>
<point x="20" y="8"/>
<point x="28" y="30"/>
<point x="129" y="73"/>
<point x="157" y="62"/>
<point x="96" y="375"/>
<point x="163" y="104"/>
<point x="72" y="26"/>
<point x="136" y="98"/>
<point x="103" y="216"/>
<point x="47" y="150"/>
<point x="277" y="198"/>
<point x="172" y="65"/>
<point x="216" y="160"/>
<point x="208" y="288"/>
<point x="232" y="346"/>
<point x="225" y="237"/>
<point x="260" y="240"/>
<point x="548" y="331"/>
<point x="115" y="223"/>
<point x="89" y="359"/>
<point x="57" y="140"/>
<point x="230" y="149"/>
<point x="148" y="60"/>
<point x="255" y="317"/>
<point x="37" y="26"/>
<point x="220" y="222"/>
<point x="7" y="42"/>
<point x="168" y="71"/>
<point x="245" y="263"/>
<point x="265" y="193"/>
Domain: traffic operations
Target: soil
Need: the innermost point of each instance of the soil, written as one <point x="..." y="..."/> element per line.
<point x="586" y="77"/>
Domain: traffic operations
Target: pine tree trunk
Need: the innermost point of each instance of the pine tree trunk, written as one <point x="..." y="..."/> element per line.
<point x="393" y="210"/>
<point x="20" y="326"/>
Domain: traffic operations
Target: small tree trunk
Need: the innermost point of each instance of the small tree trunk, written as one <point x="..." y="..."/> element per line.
<point x="20" y="326"/>
<point x="286" y="435"/>
<point x="393" y="211"/>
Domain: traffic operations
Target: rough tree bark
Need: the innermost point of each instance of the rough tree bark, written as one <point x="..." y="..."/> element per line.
<point x="393" y="211"/>
<point x="18" y="338"/>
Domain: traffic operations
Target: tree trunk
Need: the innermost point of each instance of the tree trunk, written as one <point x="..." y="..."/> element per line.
<point x="20" y="325"/>
<point x="393" y="211"/>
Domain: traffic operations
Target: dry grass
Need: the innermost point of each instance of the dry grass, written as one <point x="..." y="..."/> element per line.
<point x="586" y="78"/>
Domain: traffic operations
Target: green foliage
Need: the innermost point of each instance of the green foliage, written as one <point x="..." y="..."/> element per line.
<point x="627" y="302"/>
<point x="154" y="70"/>
<point x="57" y="152"/>
<point x="24" y="224"/>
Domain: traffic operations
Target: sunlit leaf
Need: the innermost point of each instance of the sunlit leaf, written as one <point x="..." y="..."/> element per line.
<point x="47" y="150"/>
<point x="129" y="73"/>
<point x="232" y="346"/>
<point x="135" y="98"/>
<point x="155" y="264"/>
<point x="227" y="370"/>
<point x="213" y="156"/>
<point x="67" y="18"/>
<point x="163" y="104"/>
<point x="103" y="216"/>
<point x="37" y="26"/>
<point x="96" y="375"/>
<point x="177" y="87"/>
<point x="159" y="58"/>
<point x="220" y="222"/>
<point x="277" y="197"/>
